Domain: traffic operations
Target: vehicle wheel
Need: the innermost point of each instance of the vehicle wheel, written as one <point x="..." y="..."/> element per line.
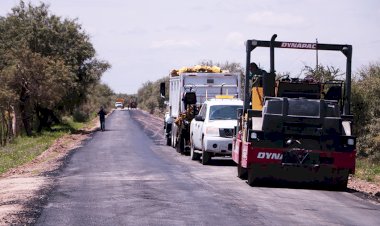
<point x="172" y="140"/>
<point x="193" y="155"/>
<point x="169" y="141"/>
<point x="341" y="185"/>
<point x="183" y="142"/>
<point x="252" y="176"/>
<point x="242" y="173"/>
<point x="341" y="181"/>
<point x="180" y="144"/>
<point x="206" y="157"/>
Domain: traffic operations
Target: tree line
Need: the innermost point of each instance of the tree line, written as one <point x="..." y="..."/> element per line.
<point x="48" y="69"/>
<point x="365" y="100"/>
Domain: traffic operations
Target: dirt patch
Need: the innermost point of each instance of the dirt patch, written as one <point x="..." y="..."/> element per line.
<point x="371" y="190"/>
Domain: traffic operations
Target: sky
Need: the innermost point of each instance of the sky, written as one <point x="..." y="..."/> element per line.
<point x="144" y="40"/>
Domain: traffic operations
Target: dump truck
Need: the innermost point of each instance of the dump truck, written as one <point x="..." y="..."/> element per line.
<point x="189" y="87"/>
<point x="295" y="130"/>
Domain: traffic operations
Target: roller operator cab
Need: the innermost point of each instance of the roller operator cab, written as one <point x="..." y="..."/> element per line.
<point x="212" y="129"/>
<point x="296" y="130"/>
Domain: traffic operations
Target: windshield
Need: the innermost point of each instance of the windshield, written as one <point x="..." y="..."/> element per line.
<point x="223" y="112"/>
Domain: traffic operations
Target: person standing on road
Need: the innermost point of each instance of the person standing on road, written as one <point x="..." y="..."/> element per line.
<point x="102" y="118"/>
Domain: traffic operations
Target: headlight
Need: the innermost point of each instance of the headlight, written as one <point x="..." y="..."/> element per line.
<point x="212" y="131"/>
<point x="253" y="136"/>
<point x="350" y="141"/>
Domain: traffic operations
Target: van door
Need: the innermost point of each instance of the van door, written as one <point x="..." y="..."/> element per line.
<point x="198" y="125"/>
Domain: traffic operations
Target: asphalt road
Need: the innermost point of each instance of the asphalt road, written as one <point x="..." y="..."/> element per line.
<point x="127" y="176"/>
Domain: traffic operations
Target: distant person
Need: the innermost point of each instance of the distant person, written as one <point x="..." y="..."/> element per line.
<point x="102" y="118"/>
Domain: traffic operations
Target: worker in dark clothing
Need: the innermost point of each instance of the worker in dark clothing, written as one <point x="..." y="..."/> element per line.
<point x="102" y="118"/>
<point x="256" y="74"/>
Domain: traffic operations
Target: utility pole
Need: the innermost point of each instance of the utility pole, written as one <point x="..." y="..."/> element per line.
<point x="316" y="56"/>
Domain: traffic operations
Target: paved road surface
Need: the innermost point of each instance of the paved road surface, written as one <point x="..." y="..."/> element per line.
<point x="127" y="176"/>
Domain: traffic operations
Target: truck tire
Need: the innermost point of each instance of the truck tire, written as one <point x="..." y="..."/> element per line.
<point x="206" y="157"/>
<point x="172" y="139"/>
<point x="193" y="154"/>
<point x="341" y="185"/>
<point x="252" y="176"/>
<point x="341" y="181"/>
<point x="169" y="141"/>
<point x="242" y="173"/>
<point x="180" y="144"/>
<point x="168" y="133"/>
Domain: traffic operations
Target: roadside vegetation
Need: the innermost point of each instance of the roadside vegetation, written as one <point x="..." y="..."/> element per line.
<point x="368" y="170"/>
<point x="50" y="81"/>
<point x="23" y="149"/>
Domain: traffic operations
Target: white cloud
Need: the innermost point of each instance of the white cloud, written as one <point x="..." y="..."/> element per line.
<point x="269" y="18"/>
<point x="235" y="39"/>
<point x="170" y="43"/>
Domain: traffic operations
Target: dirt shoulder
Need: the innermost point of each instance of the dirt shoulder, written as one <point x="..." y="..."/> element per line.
<point x="24" y="190"/>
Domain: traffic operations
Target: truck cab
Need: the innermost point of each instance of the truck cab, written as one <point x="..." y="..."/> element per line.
<point x="211" y="130"/>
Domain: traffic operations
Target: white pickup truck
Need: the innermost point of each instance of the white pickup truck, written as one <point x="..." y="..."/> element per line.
<point x="212" y="129"/>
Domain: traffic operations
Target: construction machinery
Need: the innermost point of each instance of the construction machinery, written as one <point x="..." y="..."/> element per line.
<point x="295" y="130"/>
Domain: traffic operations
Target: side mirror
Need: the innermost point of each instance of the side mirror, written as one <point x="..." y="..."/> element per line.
<point x="199" y="118"/>
<point x="162" y="89"/>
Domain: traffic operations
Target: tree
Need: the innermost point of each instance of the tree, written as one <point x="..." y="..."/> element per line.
<point x="48" y="63"/>
<point x="99" y="95"/>
<point x="322" y="73"/>
<point x="366" y="110"/>
<point x="38" y="82"/>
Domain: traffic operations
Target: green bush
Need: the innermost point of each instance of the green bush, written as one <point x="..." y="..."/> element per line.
<point x="366" y="111"/>
<point x="80" y="116"/>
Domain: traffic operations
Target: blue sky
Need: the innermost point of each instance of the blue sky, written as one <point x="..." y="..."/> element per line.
<point x="144" y="40"/>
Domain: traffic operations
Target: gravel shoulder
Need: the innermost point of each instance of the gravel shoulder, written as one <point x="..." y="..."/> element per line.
<point x="24" y="190"/>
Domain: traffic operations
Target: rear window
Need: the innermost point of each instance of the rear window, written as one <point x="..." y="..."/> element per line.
<point x="223" y="112"/>
<point x="300" y="107"/>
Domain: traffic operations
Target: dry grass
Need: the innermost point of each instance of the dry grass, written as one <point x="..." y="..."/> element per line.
<point x="368" y="170"/>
